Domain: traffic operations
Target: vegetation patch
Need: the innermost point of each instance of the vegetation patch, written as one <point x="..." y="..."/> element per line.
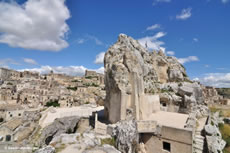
<point x="91" y="85"/>
<point x="59" y="149"/>
<point x="225" y="131"/>
<point x="109" y="141"/>
<point x="72" y="88"/>
<point x="164" y="91"/>
<point x="52" y="103"/>
<point x="76" y="81"/>
<point x="224" y="92"/>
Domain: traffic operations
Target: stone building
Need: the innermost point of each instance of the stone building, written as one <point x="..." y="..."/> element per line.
<point x="8" y="128"/>
<point x="4" y="73"/>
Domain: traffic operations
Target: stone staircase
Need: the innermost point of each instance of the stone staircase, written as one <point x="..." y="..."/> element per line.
<point x="198" y="142"/>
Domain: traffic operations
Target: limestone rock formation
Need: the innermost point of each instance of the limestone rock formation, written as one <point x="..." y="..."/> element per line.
<point x="213" y="136"/>
<point x="127" y="137"/>
<point x="131" y="71"/>
<point x="59" y="126"/>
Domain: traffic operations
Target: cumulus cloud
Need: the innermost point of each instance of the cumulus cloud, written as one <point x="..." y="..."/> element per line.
<point x="155" y="2"/>
<point x="152" y="42"/>
<point x="185" y="14"/>
<point x="30" y="61"/>
<point x="171" y="53"/>
<point x="216" y="79"/>
<point x="153" y="27"/>
<point x="69" y="70"/>
<point x="100" y="58"/>
<point x="36" y="24"/>
<point x="188" y="59"/>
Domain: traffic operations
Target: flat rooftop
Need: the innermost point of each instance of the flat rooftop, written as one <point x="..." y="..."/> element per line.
<point x="170" y="119"/>
<point x="49" y="115"/>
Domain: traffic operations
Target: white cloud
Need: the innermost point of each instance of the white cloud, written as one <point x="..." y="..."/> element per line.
<point x="97" y="41"/>
<point x="185" y="14"/>
<point x="155" y="2"/>
<point x="171" y="53"/>
<point x="195" y="39"/>
<point x="8" y="61"/>
<point x="81" y="41"/>
<point x="207" y="66"/>
<point x="88" y="38"/>
<point x="153" y="27"/>
<point x="69" y="70"/>
<point x="152" y="42"/>
<point x="224" y="1"/>
<point x="100" y="58"/>
<point x="36" y="24"/>
<point x="216" y="79"/>
<point x="30" y="61"/>
<point x="188" y="59"/>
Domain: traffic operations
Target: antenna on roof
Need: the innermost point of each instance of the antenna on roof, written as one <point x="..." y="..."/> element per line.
<point x="146" y="45"/>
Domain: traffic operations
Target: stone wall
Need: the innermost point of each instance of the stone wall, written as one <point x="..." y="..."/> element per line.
<point x="180" y="141"/>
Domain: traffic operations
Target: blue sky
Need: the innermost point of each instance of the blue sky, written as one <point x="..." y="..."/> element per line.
<point x="67" y="36"/>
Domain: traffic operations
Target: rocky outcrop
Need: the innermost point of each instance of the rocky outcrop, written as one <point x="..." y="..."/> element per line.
<point x="131" y="71"/>
<point x="128" y="56"/>
<point x="59" y="126"/>
<point x="214" y="139"/>
<point x="127" y="137"/>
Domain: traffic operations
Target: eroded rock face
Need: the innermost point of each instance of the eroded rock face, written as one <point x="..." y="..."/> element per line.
<point x="127" y="137"/>
<point x="131" y="71"/>
<point x="214" y="138"/>
<point x="58" y="127"/>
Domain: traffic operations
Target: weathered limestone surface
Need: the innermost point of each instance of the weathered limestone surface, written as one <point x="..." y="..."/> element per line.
<point x="127" y="136"/>
<point x="131" y="72"/>
<point x="59" y="126"/>
<point x="213" y="136"/>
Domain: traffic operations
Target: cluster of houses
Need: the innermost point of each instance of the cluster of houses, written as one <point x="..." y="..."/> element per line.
<point x="23" y="92"/>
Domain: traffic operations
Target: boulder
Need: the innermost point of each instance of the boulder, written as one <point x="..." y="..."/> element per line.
<point x="185" y="90"/>
<point x="127" y="137"/>
<point x="175" y="75"/>
<point x="58" y="127"/>
<point x="210" y="129"/>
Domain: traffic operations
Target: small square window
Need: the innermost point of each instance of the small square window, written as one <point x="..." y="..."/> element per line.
<point x="167" y="146"/>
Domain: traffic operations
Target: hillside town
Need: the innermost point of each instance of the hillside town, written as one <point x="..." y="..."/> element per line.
<point x="144" y="103"/>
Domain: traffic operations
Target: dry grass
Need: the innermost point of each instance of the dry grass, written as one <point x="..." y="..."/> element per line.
<point x="59" y="149"/>
<point x="224" y="111"/>
<point x="110" y="141"/>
